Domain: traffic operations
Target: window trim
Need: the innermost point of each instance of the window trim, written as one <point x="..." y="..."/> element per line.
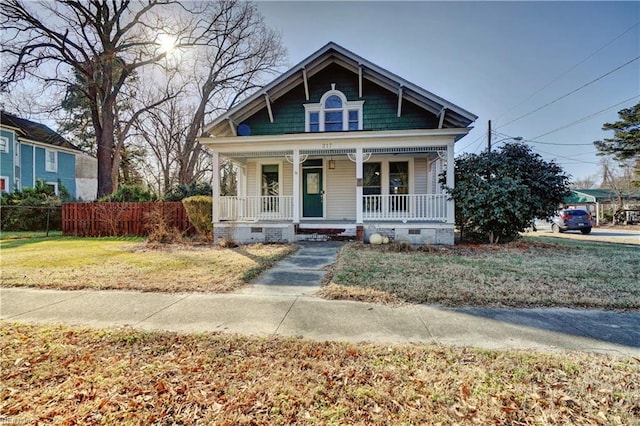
<point x="320" y="109"/>
<point x="6" y="183"/>
<point x="4" y="149"/>
<point x="265" y="162"/>
<point x="53" y="169"/>
<point x="55" y="186"/>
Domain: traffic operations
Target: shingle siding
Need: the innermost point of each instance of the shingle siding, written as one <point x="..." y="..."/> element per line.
<point x="379" y="111"/>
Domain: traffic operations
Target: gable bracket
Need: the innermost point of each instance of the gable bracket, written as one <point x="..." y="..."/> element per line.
<point x="360" y="80"/>
<point x="232" y="126"/>
<point x="268" y="102"/>
<point x="441" y="114"/>
<point x="400" y="89"/>
<point x="306" y="83"/>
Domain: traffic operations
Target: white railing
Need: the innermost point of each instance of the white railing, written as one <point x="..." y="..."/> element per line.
<point x="410" y="207"/>
<point x="256" y="208"/>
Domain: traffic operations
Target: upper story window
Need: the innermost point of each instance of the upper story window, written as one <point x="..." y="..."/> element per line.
<point x="4" y="144"/>
<point x="51" y="161"/>
<point x="334" y="113"/>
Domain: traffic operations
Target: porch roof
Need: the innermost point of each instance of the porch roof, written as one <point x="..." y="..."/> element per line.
<point x="455" y="116"/>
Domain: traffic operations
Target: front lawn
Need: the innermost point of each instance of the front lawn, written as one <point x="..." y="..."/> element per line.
<point x="128" y="263"/>
<point x="524" y="274"/>
<point x="65" y="375"/>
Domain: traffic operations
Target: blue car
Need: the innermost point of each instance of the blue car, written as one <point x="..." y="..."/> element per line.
<point x="572" y="220"/>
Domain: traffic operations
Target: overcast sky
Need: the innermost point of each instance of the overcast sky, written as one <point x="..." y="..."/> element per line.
<point x="499" y="60"/>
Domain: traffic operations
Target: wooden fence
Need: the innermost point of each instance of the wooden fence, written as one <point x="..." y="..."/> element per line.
<point x="120" y="219"/>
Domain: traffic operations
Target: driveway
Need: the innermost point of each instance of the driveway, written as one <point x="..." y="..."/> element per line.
<point x="619" y="235"/>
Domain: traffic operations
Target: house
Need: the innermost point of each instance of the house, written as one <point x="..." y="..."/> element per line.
<point x="31" y="151"/>
<point x="337" y="146"/>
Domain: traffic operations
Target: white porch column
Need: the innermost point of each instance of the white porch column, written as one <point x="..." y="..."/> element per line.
<point x="451" y="213"/>
<point x="215" y="186"/>
<point x="296" y="186"/>
<point x="359" y="184"/>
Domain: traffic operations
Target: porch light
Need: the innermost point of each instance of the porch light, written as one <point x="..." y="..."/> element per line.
<point x="332" y="164"/>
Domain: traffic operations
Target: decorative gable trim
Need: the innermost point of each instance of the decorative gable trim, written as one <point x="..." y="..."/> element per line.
<point x="332" y="53"/>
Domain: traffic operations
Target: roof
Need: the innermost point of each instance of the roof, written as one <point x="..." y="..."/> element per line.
<point x="597" y="196"/>
<point x="333" y="53"/>
<point x="36" y="132"/>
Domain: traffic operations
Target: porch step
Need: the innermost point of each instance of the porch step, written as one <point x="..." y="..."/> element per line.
<point x="321" y="234"/>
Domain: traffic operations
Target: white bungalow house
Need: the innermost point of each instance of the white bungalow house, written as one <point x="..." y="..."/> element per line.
<point x="340" y="147"/>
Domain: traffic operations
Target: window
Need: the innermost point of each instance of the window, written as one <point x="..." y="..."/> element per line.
<point x="372" y="185"/>
<point x="53" y="186"/>
<point x="51" y="158"/>
<point x="4" y="144"/>
<point x="270" y="187"/>
<point x="398" y="184"/>
<point x="4" y="184"/>
<point x="333" y="113"/>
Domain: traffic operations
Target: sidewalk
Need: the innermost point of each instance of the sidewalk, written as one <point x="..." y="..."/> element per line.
<point x="281" y="302"/>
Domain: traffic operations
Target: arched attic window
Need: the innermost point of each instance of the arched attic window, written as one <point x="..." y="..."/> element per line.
<point x="334" y="113"/>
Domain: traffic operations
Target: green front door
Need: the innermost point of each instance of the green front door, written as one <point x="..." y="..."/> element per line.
<point x="312" y="192"/>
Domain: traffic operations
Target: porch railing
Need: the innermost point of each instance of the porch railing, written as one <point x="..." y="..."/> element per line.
<point x="409" y="207"/>
<point x="256" y="208"/>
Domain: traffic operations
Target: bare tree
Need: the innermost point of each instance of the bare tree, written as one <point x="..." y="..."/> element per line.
<point x="98" y="47"/>
<point x="100" y="43"/>
<point x="231" y="61"/>
<point x="618" y="176"/>
<point x="585" y="183"/>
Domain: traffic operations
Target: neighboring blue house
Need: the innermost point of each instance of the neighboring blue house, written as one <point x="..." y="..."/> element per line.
<point x="31" y="151"/>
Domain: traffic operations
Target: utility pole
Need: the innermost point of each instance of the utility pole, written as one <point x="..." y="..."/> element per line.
<point x="489" y="138"/>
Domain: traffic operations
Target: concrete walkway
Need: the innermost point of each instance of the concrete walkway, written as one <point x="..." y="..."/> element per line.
<point x="282" y="302"/>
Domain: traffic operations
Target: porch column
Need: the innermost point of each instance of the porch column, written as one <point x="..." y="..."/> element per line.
<point x="451" y="213"/>
<point x="215" y="186"/>
<point x="359" y="183"/>
<point x="296" y="186"/>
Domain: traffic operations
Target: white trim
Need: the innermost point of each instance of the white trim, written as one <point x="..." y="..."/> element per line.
<point x="324" y="168"/>
<point x="320" y="109"/>
<point x="55" y="186"/>
<point x="269" y="162"/>
<point x="46" y="161"/>
<point x="339" y="139"/>
<point x="268" y="102"/>
<point x="6" y="183"/>
<point x="6" y="144"/>
<point x="49" y="146"/>
<point x="400" y="101"/>
<point x="306" y="83"/>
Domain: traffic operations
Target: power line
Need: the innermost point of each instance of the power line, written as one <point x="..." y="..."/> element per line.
<point x="587" y="117"/>
<point x="572" y="92"/>
<point x="567" y="71"/>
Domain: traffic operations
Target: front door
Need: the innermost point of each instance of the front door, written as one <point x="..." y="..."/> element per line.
<point x="312" y="192"/>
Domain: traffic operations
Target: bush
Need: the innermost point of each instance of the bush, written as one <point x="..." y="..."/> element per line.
<point x="131" y="193"/>
<point x="199" y="210"/>
<point x="27" y="210"/>
<point x="159" y="229"/>
<point x="180" y="192"/>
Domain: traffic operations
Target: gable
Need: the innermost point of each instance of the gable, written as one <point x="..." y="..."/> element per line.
<point x="379" y="109"/>
<point x="35" y="132"/>
<point x="390" y="103"/>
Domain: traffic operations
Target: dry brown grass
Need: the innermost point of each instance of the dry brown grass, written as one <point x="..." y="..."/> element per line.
<point x="521" y="274"/>
<point x="62" y="375"/>
<point x="75" y="263"/>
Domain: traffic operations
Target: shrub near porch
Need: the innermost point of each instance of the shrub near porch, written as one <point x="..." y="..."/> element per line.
<point x="110" y="263"/>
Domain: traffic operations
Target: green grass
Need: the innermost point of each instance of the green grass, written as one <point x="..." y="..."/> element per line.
<point x="527" y="273"/>
<point x="127" y="263"/>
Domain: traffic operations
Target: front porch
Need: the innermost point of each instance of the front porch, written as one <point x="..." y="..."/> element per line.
<point x="295" y="194"/>
<point x="382" y="208"/>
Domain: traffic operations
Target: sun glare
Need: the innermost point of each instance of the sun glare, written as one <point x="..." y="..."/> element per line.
<point x="166" y="43"/>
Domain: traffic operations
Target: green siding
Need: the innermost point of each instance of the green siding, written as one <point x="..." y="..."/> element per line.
<point x="379" y="110"/>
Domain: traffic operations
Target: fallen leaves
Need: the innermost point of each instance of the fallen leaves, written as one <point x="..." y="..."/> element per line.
<point x="62" y="375"/>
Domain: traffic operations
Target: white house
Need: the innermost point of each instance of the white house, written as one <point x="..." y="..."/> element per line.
<point x="338" y="146"/>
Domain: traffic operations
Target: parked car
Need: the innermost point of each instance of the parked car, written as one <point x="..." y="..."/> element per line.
<point x="572" y="220"/>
